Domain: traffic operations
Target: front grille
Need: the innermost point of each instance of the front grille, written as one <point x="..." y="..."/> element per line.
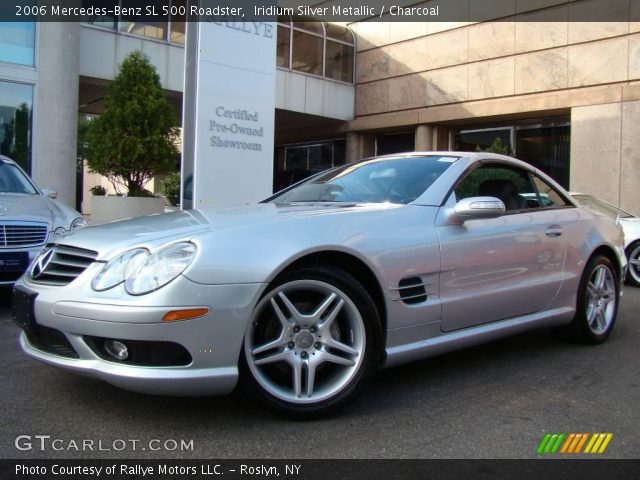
<point x="23" y="234"/>
<point x="60" y="264"/>
<point x="51" y="341"/>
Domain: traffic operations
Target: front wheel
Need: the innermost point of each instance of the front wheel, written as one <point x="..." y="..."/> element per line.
<point x="313" y="342"/>
<point x="633" y="256"/>
<point x="597" y="303"/>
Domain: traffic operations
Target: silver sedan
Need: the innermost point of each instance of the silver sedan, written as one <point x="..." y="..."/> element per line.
<point x="301" y="298"/>
<point x="29" y="218"/>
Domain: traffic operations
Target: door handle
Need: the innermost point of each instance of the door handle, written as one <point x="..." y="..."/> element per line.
<point x="553" y="231"/>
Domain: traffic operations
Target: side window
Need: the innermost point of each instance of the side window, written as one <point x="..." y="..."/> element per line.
<point x="511" y="185"/>
<point x="549" y="196"/>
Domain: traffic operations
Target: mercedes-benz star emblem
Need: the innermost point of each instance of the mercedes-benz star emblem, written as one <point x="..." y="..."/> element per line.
<point x="41" y="263"/>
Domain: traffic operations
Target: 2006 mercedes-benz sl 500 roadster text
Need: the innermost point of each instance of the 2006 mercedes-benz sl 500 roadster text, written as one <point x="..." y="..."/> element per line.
<point x="303" y="296"/>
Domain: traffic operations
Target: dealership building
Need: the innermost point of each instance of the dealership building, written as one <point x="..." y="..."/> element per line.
<point x="563" y="95"/>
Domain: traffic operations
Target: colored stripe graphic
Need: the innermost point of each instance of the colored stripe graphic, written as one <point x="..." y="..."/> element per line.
<point x="573" y="443"/>
<point x="598" y="443"/>
<point x="550" y="443"/>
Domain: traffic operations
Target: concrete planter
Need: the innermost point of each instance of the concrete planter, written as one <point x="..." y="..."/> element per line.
<point x="112" y="208"/>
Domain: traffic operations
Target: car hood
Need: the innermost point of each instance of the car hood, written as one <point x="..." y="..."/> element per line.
<point x="155" y="230"/>
<point x="35" y="208"/>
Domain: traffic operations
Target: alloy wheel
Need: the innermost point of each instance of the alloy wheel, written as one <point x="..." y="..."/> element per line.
<point x="306" y="342"/>
<point x="601" y="299"/>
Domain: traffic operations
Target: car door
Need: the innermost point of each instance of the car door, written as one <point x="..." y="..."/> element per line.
<point x="499" y="268"/>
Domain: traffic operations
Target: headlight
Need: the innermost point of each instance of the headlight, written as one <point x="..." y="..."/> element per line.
<point x="59" y="231"/>
<point x="79" y="223"/>
<point x="115" y="272"/>
<point x="160" y="268"/>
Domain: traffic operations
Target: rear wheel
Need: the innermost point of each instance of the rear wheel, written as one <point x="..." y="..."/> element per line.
<point x="633" y="256"/>
<point x="313" y="342"/>
<point x="597" y="303"/>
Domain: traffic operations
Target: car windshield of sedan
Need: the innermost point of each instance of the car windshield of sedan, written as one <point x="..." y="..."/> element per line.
<point x="381" y="180"/>
<point x="12" y="180"/>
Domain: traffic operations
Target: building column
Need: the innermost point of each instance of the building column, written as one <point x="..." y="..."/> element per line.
<point x="440" y="138"/>
<point x="424" y="138"/>
<point x="359" y="146"/>
<point x="56" y="109"/>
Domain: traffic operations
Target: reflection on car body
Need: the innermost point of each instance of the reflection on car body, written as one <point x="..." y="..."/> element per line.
<point x="630" y="226"/>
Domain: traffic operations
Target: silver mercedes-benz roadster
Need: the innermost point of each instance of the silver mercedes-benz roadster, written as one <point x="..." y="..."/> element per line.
<point x="304" y="296"/>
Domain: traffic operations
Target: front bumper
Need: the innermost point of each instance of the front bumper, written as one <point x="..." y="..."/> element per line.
<point x="9" y="278"/>
<point x="213" y="341"/>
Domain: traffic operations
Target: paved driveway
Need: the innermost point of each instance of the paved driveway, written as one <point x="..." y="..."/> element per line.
<point x="497" y="400"/>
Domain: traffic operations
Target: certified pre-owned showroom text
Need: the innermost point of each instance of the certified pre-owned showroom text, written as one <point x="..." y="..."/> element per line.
<point x="47" y="443"/>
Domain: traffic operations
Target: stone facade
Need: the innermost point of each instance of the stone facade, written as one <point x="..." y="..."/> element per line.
<point x="528" y="64"/>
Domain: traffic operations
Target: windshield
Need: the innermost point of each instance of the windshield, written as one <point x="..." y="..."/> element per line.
<point x="12" y="180"/>
<point x="390" y="179"/>
<point x="601" y="206"/>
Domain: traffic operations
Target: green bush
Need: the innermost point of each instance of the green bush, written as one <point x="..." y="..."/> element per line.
<point x="135" y="137"/>
<point x="171" y="188"/>
<point x="98" y="190"/>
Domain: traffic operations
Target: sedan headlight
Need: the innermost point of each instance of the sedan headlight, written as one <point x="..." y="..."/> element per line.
<point x="115" y="272"/>
<point x="142" y="272"/>
<point x="79" y="222"/>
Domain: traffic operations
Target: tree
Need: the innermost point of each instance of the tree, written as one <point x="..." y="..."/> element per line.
<point x="135" y="137"/>
<point x="496" y="147"/>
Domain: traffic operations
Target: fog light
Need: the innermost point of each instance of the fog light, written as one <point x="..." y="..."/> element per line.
<point x="116" y="349"/>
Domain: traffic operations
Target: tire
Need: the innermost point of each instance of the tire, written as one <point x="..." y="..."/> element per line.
<point x="313" y="343"/>
<point x="633" y="255"/>
<point x="597" y="303"/>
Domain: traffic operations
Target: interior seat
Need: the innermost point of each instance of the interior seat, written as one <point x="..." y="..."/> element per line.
<point x="504" y="190"/>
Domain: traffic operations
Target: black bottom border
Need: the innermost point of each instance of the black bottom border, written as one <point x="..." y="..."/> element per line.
<point x="167" y="469"/>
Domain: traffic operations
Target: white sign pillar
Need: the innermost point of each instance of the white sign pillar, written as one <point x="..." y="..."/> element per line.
<point x="228" y="113"/>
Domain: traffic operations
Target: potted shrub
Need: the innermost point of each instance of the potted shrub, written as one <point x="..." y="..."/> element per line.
<point x="132" y="141"/>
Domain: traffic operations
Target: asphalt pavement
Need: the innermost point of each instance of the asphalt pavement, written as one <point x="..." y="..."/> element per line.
<point x="493" y="401"/>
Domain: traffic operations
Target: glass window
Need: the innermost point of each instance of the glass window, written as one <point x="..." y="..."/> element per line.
<point x="395" y="143"/>
<point x="106" y="21"/>
<point x="307" y="53"/>
<point x="16" y="101"/>
<point x="315" y="27"/>
<point x="338" y="32"/>
<point x="17" y="42"/>
<point x="549" y="196"/>
<point x="477" y="140"/>
<point x="178" y="24"/>
<point x="155" y="28"/>
<point x="511" y="185"/>
<point x="297" y="162"/>
<point x="284" y="43"/>
<point x="394" y="180"/>
<point x="547" y="148"/>
<point x="339" y="62"/>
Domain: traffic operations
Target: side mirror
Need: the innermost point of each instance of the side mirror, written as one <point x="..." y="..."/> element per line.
<point x="474" y="208"/>
<point x="50" y="193"/>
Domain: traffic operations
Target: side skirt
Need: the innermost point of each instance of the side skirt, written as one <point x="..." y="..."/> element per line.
<point x="469" y="337"/>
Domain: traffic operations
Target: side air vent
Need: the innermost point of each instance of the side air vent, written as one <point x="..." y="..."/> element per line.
<point x="411" y="290"/>
<point x="59" y="265"/>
